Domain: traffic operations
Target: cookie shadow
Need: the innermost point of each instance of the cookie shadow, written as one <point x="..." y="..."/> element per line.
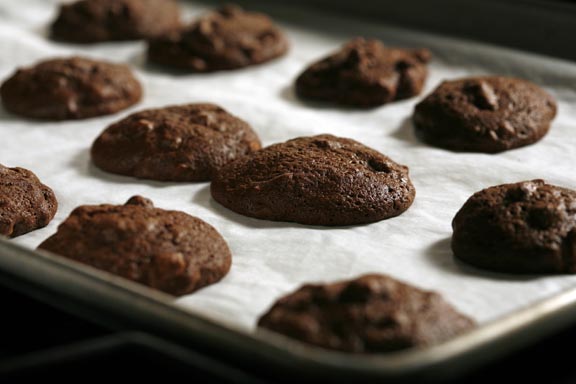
<point x="406" y="132"/>
<point x="43" y="31"/>
<point x="83" y="165"/>
<point x="441" y="256"/>
<point x="204" y="198"/>
<point x="288" y="93"/>
<point x="8" y="117"/>
<point x="138" y="60"/>
<point x="141" y="61"/>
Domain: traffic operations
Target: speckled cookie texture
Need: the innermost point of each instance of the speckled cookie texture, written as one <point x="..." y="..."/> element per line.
<point x="526" y="227"/>
<point x="484" y="114"/>
<point x="93" y="21"/>
<point x="228" y="38"/>
<point x="70" y="88"/>
<point x="318" y="180"/>
<point x="370" y="314"/>
<point x="365" y="73"/>
<point x="167" y="250"/>
<point x="25" y="203"/>
<point x="177" y="143"/>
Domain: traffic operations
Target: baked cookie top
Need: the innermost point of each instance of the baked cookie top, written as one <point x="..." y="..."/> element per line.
<point x="25" y="203"/>
<point x="365" y="73"/>
<point x="227" y="38"/>
<point x="318" y="180"/>
<point x="369" y="314"/>
<point x="167" y="250"/>
<point x="70" y="88"/>
<point x="92" y="21"/>
<point x="484" y="114"/>
<point x="177" y="143"/>
<point x="526" y="227"/>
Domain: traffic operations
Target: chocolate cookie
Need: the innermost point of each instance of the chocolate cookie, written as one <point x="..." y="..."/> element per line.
<point x="370" y="314"/>
<point x="70" y="88"/>
<point x="178" y="143"/>
<point x="484" y="114"/>
<point x="319" y="180"/>
<point x="527" y="227"/>
<point x="166" y="250"/>
<point x="92" y="21"/>
<point x="365" y="73"/>
<point x="25" y="203"/>
<point x="228" y="38"/>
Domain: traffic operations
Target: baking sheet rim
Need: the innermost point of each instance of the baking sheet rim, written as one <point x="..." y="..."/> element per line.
<point x="448" y="359"/>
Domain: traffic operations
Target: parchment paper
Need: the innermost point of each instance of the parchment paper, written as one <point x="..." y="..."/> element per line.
<point x="271" y="259"/>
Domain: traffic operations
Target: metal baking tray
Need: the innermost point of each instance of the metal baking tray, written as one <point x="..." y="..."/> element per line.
<point x="125" y="305"/>
<point x="122" y="304"/>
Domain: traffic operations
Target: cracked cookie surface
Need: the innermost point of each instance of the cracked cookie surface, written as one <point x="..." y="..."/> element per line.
<point x="365" y="73"/>
<point x="70" y="88"/>
<point x="318" y="180"/>
<point x="93" y="21"/>
<point x="526" y="227"/>
<point x="167" y="250"/>
<point x="369" y="314"/>
<point x="225" y="39"/>
<point x="176" y="143"/>
<point x="25" y="203"/>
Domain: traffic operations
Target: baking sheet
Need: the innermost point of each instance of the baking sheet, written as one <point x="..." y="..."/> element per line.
<point x="271" y="259"/>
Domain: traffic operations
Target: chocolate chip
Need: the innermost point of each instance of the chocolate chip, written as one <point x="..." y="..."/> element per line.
<point x="482" y="95"/>
<point x="543" y="217"/>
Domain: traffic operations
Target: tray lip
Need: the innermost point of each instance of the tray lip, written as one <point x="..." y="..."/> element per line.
<point x="436" y="362"/>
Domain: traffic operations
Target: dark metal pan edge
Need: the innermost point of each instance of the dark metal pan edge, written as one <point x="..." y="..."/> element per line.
<point x="154" y="312"/>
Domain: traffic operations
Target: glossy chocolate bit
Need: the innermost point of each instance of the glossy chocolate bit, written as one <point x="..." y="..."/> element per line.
<point x="482" y="95"/>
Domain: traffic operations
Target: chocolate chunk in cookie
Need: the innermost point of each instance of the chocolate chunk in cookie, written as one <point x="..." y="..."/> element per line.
<point x="228" y="38"/>
<point x="484" y="114"/>
<point x="370" y="314"/>
<point x="167" y="250"/>
<point x="527" y="227"/>
<point x="70" y="88"/>
<point x="319" y="180"/>
<point x="177" y="143"/>
<point x="92" y="21"/>
<point x="25" y="203"/>
<point x="365" y="73"/>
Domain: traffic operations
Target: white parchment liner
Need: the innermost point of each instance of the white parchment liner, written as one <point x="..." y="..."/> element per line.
<point x="271" y="259"/>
